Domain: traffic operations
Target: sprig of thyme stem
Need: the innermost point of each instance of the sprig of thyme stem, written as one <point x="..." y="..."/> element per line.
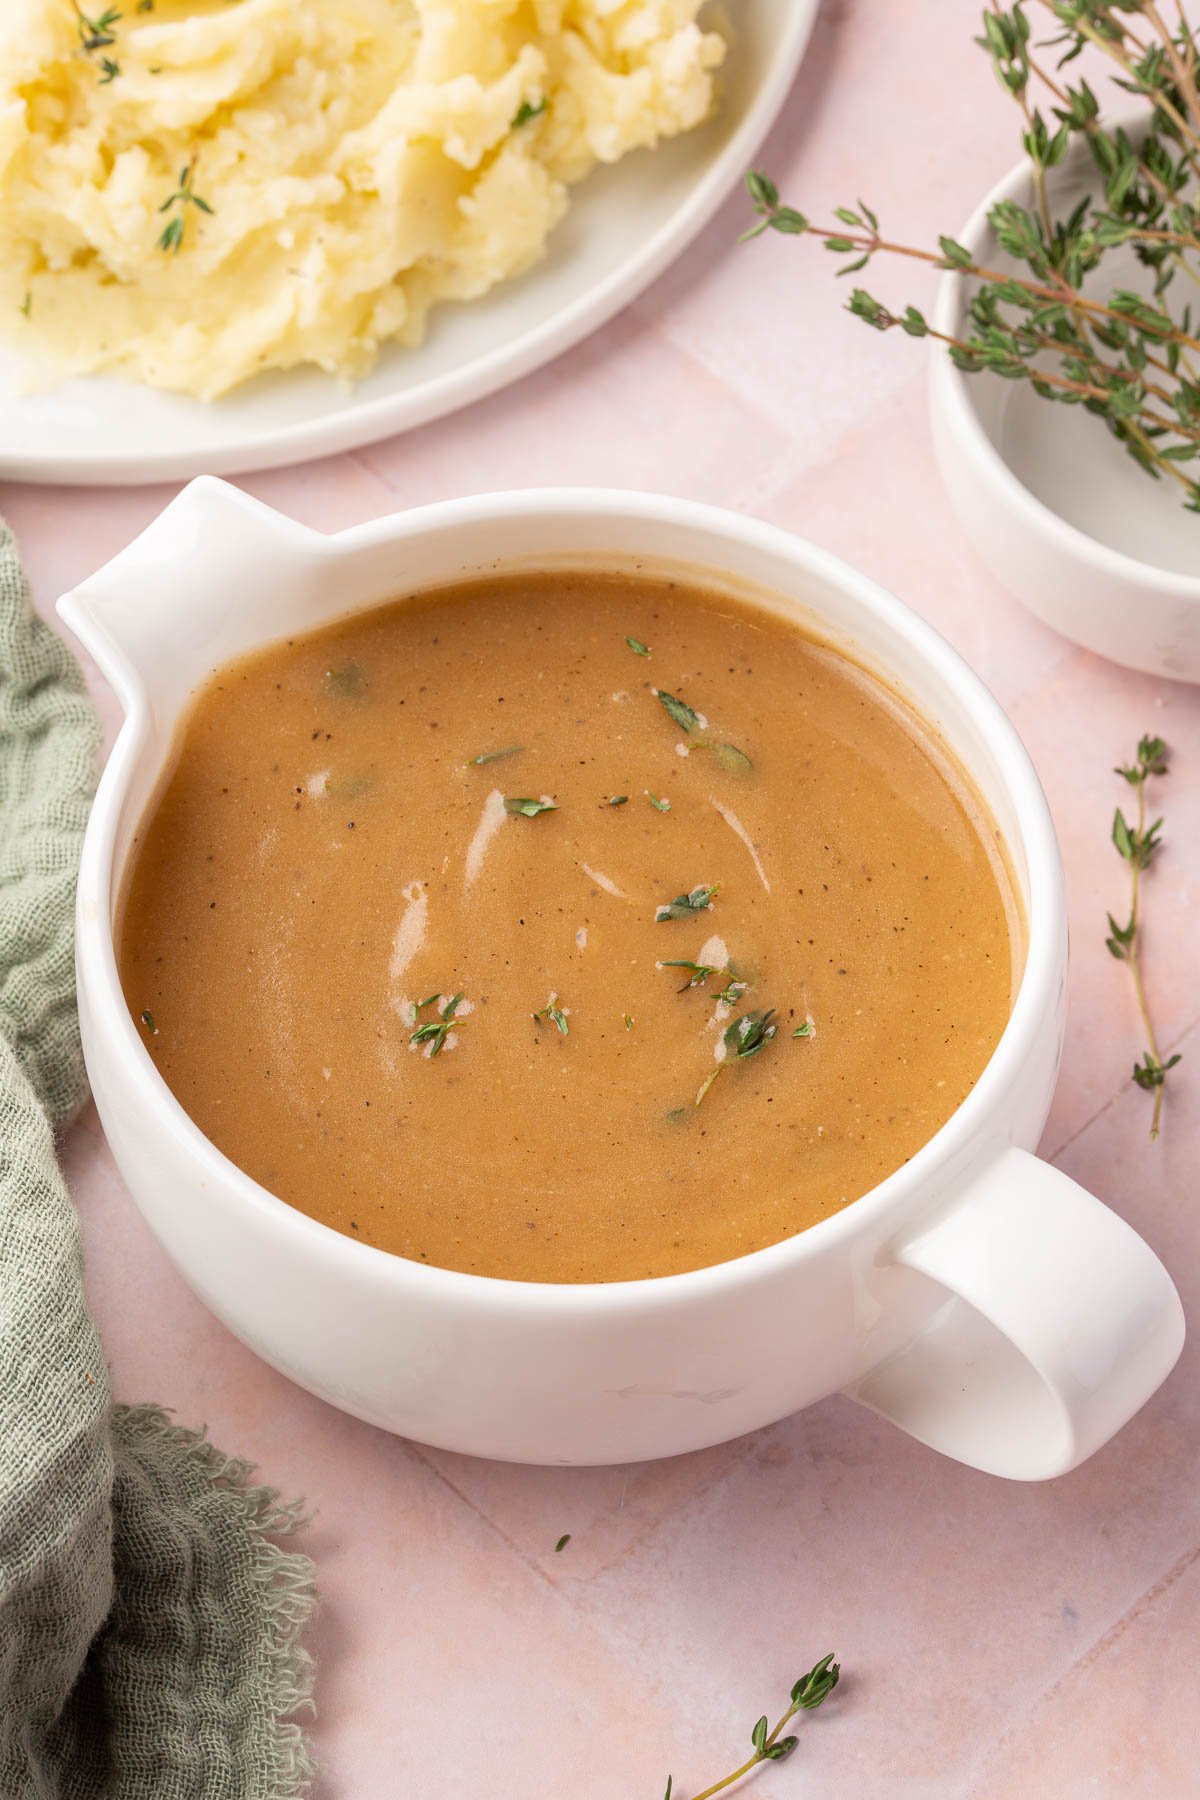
<point x="1130" y="360"/>
<point x="1137" y="845"/>
<point x="171" y="238"/>
<point x="769" y="1746"/>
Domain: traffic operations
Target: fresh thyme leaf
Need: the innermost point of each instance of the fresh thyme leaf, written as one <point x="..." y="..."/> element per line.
<point x="110" y="70"/>
<point x="562" y="1543"/>
<point x="97" y="33"/>
<point x="619" y="800"/>
<point x="554" y="1012"/>
<point x="750" y="1033"/>
<point x="528" y="809"/>
<point x="528" y="110"/>
<point x="184" y="196"/>
<point x="807" y="1694"/>
<point x="684" y="716"/>
<point x="707" y="1083"/>
<point x="347" y="682"/>
<point x="1138" y="844"/>
<point x="636" y="645"/>
<point x="148" y="1022"/>
<point x="700" y="972"/>
<point x="26" y="306"/>
<point x="667" y="1795"/>
<point x="686" y="906"/>
<point x="491" y="756"/>
<point x="733" y="990"/>
<point x="628" y="1021"/>
<point x="805" y="1030"/>
<point x="434" y="1032"/>
<point x="732" y="760"/>
<point x="656" y="803"/>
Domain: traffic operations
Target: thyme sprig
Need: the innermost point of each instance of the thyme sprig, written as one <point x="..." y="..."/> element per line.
<point x="699" y="973"/>
<point x="1137" y="845"/>
<point x="769" y="1746"/>
<point x="171" y="238"/>
<point x="686" y="906"/>
<point x="745" y="1037"/>
<point x="526" y="808"/>
<point x="555" y="1014"/>
<point x="434" y="1032"/>
<point x="730" y="758"/>
<point x="1128" y="358"/>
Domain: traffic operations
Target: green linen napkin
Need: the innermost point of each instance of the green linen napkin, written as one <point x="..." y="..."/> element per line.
<point x="149" y="1631"/>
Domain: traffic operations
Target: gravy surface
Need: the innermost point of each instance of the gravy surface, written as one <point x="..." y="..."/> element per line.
<point x="330" y="850"/>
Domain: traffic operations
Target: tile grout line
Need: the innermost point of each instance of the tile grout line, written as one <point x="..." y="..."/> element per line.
<point x="1145" y="1603"/>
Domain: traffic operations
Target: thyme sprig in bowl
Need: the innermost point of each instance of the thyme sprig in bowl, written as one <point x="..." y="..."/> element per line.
<point x="1066" y="332"/>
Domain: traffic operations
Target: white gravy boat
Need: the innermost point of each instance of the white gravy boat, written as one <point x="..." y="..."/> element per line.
<point x="977" y="1297"/>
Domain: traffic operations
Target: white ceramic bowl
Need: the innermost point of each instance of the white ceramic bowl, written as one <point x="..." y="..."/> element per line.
<point x="977" y="1297"/>
<point x="1058" y="510"/>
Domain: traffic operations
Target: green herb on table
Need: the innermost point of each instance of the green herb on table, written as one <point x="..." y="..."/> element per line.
<point x="171" y="237"/>
<point x="555" y="1014"/>
<point x="636" y="645"/>
<point x="1138" y="844"/>
<point x="1079" y="339"/>
<point x="686" y="906"/>
<point x="730" y="758"/>
<point x="434" y="1032"/>
<point x="528" y="809"/>
<point x="745" y="1037"/>
<point x="656" y="803"/>
<point x="491" y="756"/>
<point x="619" y="800"/>
<point x="769" y="1746"/>
<point x="562" y="1543"/>
<point x="528" y="111"/>
<point x="148" y="1022"/>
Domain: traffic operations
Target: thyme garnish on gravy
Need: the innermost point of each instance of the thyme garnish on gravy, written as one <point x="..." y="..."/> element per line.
<point x="528" y="809"/>
<point x="171" y="237"/>
<point x="491" y="756"/>
<point x="730" y="758"/>
<point x="636" y="645"/>
<point x="743" y="1038"/>
<point x="555" y="1014"/>
<point x="686" y="906"/>
<point x="1138" y="844"/>
<point x="656" y="803"/>
<point x="434" y="1032"/>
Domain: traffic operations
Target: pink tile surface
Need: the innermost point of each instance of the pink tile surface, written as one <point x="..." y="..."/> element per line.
<point x="999" y="1641"/>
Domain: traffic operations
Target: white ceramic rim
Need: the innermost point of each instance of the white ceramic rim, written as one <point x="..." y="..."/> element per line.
<point x="1046" y="911"/>
<point x="355" y="426"/>
<point x="950" y="396"/>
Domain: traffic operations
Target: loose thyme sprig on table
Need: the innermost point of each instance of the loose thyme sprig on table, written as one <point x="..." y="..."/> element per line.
<point x="1138" y="844"/>
<point x="1128" y="358"/>
<point x="769" y="1746"/>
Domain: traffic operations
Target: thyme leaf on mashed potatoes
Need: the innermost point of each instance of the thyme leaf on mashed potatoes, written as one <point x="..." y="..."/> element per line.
<point x="171" y="237"/>
<point x="434" y="1032"/>
<point x="528" y="111"/>
<point x="686" y="906"/>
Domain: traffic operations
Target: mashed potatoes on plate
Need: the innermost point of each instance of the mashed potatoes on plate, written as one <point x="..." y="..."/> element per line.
<point x="194" y="191"/>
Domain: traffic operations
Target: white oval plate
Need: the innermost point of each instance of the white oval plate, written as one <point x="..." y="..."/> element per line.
<point x="624" y="226"/>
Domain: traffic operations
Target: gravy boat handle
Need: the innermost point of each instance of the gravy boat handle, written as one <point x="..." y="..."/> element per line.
<point x="1059" y="1323"/>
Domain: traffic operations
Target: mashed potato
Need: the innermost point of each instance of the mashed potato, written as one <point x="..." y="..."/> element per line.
<point x="199" y="190"/>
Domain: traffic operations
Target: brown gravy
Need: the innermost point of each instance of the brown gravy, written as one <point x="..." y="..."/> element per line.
<point x="330" y="850"/>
